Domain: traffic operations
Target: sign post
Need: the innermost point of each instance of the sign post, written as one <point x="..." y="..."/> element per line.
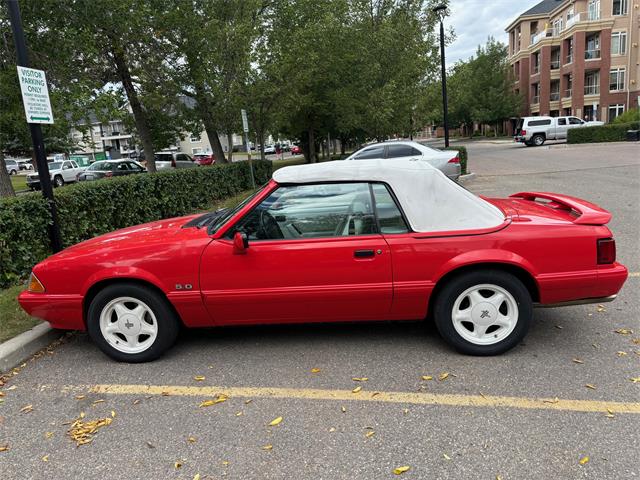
<point x="35" y="97"/>
<point x="245" y="128"/>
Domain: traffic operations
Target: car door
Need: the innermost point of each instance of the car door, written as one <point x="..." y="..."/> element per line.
<point x="184" y="161"/>
<point x="575" y="122"/>
<point x="561" y="129"/>
<point x="121" y="169"/>
<point x="315" y="255"/>
<point x="68" y="172"/>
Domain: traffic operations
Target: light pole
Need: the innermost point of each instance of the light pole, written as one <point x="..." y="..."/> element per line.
<point x="441" y="12"/>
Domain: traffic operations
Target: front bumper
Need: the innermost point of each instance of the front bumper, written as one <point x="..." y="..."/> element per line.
<point x="61" y="311"/>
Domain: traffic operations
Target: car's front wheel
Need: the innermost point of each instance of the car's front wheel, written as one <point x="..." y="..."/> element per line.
<point x="483" y="312"/>
<point x="132" y="323"/>
<point x="58" y="181"/>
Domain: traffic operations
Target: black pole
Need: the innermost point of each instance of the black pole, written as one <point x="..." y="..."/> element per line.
<point x="445" y="112"/>
<point x="36" y="131"/>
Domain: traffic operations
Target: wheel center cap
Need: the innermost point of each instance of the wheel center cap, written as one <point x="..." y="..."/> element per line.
<point x="484" y="313"/>
<point x="129" y="325"/>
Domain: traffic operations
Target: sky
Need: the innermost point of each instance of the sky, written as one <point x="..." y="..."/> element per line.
<point x="475" y="20"/>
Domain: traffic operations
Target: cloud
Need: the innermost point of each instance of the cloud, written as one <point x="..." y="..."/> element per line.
<point x="475" y="20"/>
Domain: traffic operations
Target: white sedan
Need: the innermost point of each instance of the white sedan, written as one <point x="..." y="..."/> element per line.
<point x="446" y="161"/>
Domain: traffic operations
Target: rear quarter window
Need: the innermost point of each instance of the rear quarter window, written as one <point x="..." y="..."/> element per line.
<point x="537" y="123"/>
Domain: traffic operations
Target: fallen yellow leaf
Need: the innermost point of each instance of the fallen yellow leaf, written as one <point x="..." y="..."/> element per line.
<point x="576" y="360"/>
<point x="95" y="402"/>
<point x="447" y="457"/>
<point x="196" y="476"/>
<point x="45" y="458"/>
<point x="356" y="390"/>
<point x="635" y="379"/>
<point x="1" y="393"/>
<point x="343" y="409"/>
<point x="443" y="376"/>
<point x="370" y="434"/>
<point x="359" y="379"/>
<point x="332" y="429"/>
<point x="4" y="448"/>
<point x="238" y="414"/>
<point x="315" y="370"/>
<point x="268" y="447"/>
<point x="225" y="462"/>
<point x="591" y="386"/>
<point x="275" y="421"/>
<point x="609" y="413"/>
<point x="27" y="409"/>
<point x="427" y="377"/>
<point x="584" y="460"/>
<point x="191" y="439"/>
<point x="177" y="465"/>
<point x="48" y="434"/>
<point x="247" y="402"/>
<point x="375" y="393"/>
<point x="624" y="331"/>
<point x="80" y="397"/>
<point x="113" y="414"/>
<point x="219" y="399"/>
<point x="405" y="411"/>
<point x="82" y="432"/>
<point x="199" y="378"/>
<point x="620" y="353"/>
<point x="554" y="400"/>
<point x="636" y="341"/>
<point x="401" y="470"/>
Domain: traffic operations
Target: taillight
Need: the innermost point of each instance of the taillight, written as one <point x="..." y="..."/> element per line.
<point x="173" y="163"/>
<point x="454" y="160"/>
<point x="523" y="132"/>
<point x="606" y="251"/>
<point x="108" y="174"/>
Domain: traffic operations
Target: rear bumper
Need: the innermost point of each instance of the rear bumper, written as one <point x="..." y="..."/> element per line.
<point x="583" y="286"/>
<point x="61" y="311"/>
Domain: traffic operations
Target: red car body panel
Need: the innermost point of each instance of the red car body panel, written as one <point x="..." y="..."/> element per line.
<point x="319" y="279"/>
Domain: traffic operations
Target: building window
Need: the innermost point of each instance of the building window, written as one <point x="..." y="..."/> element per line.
<point x="594" y="10"/>
<point x="195" y="138"/>
<point x="616" y="79"/>
<point x="592" y="47"/>
<point x="569" y="50"/>
<point x="615" y="110"/>
<point x="195" y="151"/>
<point x="618" y="43"/>
<point x="619" y="7"/>
<point x="592" y="83"/>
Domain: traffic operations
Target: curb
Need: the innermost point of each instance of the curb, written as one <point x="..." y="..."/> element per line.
<point x="466" y="178"/>
<point x="588" y="144"/>
<point x="18" y="349"/>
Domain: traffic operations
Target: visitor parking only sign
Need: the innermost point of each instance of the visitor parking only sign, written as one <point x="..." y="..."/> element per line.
<point x="35" y="95"/>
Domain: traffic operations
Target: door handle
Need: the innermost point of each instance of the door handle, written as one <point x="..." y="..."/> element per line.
<point x="363" y="253"/>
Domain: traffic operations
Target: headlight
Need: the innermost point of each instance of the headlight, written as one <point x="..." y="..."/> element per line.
<point x="35" y="286"/>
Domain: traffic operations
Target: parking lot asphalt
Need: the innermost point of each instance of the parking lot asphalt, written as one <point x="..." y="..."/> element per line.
<point x="528" y="414"/>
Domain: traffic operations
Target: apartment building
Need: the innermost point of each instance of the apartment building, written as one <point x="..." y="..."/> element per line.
<point x="577" y="57"/>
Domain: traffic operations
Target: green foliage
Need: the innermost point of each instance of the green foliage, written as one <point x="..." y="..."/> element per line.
<point x="93" y="208"/>
<point x="632" y="115"/>
<point x="614" y="132"/>
<point x="463" y="155"/>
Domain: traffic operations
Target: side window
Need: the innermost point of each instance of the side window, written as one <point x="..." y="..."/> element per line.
<point x="389" y="215"/>
<point x="562" y="121"/>
<point x="574" y="121"/>
<point x="133" y="166"/>
<point x="311" y="211"/>
<point x="537" y="123"/>
<point x="371" y="152"/>
<point x="395" y="151"/>
<point x="122" y="166"/>
<point x="66" y="165"/>
<point x="74" y="164"/>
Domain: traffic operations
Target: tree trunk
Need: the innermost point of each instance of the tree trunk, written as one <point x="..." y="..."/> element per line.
<point x="139" y="114"/>
<point x="230" y="143"/>
<point x="312" y="146"/>
<point x="343" y="146"/>
<point x="6" y="187"/>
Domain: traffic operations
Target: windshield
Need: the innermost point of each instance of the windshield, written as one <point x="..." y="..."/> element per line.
<point x="55" y="165"/>
<point x="221" y="220"/>
<point x="101" y="166"/>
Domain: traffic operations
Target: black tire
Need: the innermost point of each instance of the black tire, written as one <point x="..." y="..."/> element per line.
<point x="13" y="172"/>
<point x="167" y="320"/>
<point x="444" y="304"/>
<point x="538" y="140"/>
<point x="58" y="181"/>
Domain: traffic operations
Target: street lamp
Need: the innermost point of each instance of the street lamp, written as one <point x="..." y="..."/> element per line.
<point x="441" y="12"/>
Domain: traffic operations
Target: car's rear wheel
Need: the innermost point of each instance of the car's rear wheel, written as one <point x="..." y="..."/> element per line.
<point x="538" y="140"/>
<point x="58" y="181"/>
<point x="13" y="172"/>
<point x="483" y="312"/>
<point x="132" y="323"/>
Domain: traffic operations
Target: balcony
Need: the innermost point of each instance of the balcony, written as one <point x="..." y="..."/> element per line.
<point x="554" y="96"/>
<point x="536" y="37"/>
<point x="593" y="14"/>
<point x="555" y="64"/>
<point x="573" y="20"/>
<point x="592" y="89"/>
<point x="535" y="99"/>
<point x="535" y="69"/>
<point x="569" y="59"/>
<point x="567" y="93"/>
<point x="592" y="54"/>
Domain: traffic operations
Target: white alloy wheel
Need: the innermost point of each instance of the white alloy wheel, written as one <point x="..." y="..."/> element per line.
<point x="484" y="314"/>
<point x="128" y="325"/>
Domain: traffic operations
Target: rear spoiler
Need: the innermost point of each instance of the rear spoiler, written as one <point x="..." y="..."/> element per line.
<point x="587" y="213"/>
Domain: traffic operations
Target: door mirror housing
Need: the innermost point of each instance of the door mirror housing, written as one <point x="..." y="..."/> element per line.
<point x="240" y="243"/>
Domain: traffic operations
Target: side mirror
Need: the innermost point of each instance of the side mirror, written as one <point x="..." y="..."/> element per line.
<point x="240" y="243"/>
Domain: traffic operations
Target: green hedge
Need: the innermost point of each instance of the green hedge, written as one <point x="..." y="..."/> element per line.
<point x="93" y="208"/>
<point x="614" y="132"/>
<point x="463" y="157"/>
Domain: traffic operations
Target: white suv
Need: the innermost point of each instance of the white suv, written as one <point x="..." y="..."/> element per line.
<point x="60" y="172"/>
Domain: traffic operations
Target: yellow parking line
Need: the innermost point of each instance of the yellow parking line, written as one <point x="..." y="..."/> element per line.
<point x="422" y="398"/>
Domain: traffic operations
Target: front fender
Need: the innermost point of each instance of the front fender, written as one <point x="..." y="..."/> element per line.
<point x="118" y="272"/>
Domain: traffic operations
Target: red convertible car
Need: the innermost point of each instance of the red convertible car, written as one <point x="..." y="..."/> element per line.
<point x="336" y="242"/>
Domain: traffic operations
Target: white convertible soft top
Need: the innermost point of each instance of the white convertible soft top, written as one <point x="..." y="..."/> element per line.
<point x="431" y="202"/>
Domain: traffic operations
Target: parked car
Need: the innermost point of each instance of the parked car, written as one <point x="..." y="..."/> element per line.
<point x="110" y="168"/>
<point x="203" y="159"/>
<point x="166" y="160"/>
<point x="268" y="149"/>
<point x="25" y="164"/>
<point x="61" y="173"/>
<point x="446" y="161"/>
<point x="296" y="150"/>
<point x="336" y="242"/>
<point x="12" y="167"/>
<point x="536" y="130"/>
